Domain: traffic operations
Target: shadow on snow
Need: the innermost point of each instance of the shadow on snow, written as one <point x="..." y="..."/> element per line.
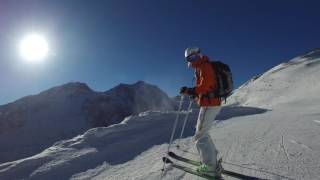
<point x="228" y="112"/>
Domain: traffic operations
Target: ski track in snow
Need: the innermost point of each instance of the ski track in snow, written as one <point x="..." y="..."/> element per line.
<point x="317" y="121"/>
<point x="301" y="144"/>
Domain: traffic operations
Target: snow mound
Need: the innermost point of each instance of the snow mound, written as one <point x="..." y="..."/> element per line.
<point x="287" y="83"/>
<point x="33" y="123"/>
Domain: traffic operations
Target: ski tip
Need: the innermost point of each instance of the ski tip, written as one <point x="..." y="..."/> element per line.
<point x="166" y="160"/>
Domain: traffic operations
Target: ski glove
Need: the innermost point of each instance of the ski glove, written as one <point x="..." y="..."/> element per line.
<point x="188" y="91"/>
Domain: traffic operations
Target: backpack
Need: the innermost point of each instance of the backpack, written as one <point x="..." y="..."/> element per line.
<point x="224" y="79"/>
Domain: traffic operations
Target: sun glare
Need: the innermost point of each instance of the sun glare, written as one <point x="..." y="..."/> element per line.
<point x="34" y="48"/>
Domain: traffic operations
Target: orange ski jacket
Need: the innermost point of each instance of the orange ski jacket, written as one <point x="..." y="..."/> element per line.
<point x="206" y="82"/>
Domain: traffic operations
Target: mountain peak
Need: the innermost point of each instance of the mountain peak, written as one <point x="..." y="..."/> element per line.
<point x="136" y="85"/>
<point x="76" y="85"/>
<point x="140" y="83"/>
<point x="70" y="88"/>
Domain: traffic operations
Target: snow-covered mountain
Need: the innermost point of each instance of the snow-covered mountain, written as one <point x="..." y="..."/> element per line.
<point x="269" y="130"/>
<point x="33" y="123"/>
<point x="294" y="81"/>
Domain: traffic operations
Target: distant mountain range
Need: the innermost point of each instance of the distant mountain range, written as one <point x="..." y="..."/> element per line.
<point x="33" y="123"/>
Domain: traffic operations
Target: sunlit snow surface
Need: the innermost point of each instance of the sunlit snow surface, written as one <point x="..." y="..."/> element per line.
<point x="271" y="125"/>
<point x="295" y="82"/>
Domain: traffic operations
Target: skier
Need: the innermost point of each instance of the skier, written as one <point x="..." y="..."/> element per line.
<point x="203" y="92"/>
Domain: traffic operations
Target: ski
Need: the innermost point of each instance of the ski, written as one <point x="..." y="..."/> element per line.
<point x="189" y="170"/>
<point x="180" y="158"/>
<point x="225" y="172"/>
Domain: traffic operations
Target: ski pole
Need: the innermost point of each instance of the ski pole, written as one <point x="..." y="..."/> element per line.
<point x="185" y="120"/>
<point x="175" y="124"/>
<point x="173" y="132"/>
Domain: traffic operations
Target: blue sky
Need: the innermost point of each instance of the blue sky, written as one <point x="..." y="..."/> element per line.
<point x="104" y="43"/>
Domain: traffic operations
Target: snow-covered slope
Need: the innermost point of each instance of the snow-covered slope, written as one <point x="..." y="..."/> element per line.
<point x="33" y="123"/>
<point x="276" y="137"/>
<point x="274" y="145"/>
<point x="294" y="81"/>
<point x="102" y="147"/>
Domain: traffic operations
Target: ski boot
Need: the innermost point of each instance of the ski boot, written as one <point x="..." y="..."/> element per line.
<point x="209" y="170"/>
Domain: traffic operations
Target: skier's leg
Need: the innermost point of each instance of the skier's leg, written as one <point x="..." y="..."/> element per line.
<point x="204" y="143"/>
<point x="207" y="151"/>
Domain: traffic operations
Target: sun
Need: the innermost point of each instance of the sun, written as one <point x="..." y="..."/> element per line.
<point x="34" y="47"/>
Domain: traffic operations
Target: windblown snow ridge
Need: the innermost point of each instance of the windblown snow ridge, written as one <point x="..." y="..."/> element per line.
<point x="296" y="80"/>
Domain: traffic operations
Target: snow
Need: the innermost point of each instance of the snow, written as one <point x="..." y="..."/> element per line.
<point x="294" y="81"/>
<point x="262" y="140"/>
<point x="268" y="129"/>
<point x="33" y="123"/>
<point x="97" y="148"/>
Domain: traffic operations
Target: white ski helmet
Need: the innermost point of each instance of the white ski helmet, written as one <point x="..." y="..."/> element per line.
<point x="190" y="51"/>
